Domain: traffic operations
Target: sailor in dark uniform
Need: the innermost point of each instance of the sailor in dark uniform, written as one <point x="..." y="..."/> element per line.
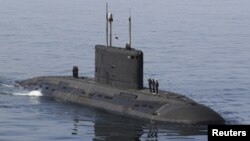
<point x="156" y="86"/>
<point x="75" y="71"/>
<point x="150" y="84"/>
<point x="153" y="85"/>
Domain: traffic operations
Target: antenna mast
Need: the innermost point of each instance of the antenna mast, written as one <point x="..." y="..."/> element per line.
<point x="107" y="29"/>
<point x="110" y="19"/>
<point x="129" y="21"/>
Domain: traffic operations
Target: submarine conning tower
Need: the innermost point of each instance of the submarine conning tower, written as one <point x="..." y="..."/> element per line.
<point x="119" y="67"/>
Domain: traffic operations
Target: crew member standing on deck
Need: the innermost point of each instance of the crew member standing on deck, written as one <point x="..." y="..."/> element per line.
<point x="150" y="84"/>
<point x="153" y="85"/>
<point x="156" y="86"/>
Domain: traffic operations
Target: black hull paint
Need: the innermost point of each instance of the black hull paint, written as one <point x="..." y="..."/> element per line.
<point x="163" y="107"/>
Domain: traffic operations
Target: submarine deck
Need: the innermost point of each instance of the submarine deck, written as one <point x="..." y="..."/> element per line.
<point x="145" y="90"/>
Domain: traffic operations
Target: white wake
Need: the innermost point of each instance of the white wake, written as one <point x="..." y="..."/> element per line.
<point x="32" y="93"/>
<point x="6" y="85"/>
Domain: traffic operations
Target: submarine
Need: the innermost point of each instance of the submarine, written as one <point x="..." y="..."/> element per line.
<point x="118" y="88"/>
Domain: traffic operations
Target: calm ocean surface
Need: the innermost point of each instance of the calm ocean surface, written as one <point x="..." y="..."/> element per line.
<point x="199" y="48"/>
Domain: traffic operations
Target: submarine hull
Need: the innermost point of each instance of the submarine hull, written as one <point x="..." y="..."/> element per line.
<point x="163" y="107"/>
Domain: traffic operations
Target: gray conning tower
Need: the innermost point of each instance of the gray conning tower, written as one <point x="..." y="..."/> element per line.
<point x="116" y="66"/>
